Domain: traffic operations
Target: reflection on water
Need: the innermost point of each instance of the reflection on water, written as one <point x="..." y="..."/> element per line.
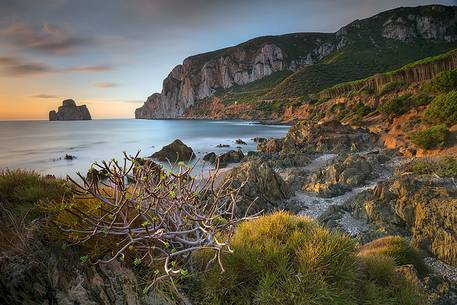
<point x="41" y="145"/>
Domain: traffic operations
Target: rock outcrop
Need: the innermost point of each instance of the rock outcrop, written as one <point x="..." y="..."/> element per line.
<point x="423" y="207"/>
<point x="340" y="176"/>
<point x="326" y="137"/>
<point x="70" y="112"/>
<point x="200" y="76"/>
<point x="262" y="184"/>
<point x="175" y="151"/>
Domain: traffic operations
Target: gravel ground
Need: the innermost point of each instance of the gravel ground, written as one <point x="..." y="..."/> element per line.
<point x="445" y="270"/>
<point x="314" y="206"/>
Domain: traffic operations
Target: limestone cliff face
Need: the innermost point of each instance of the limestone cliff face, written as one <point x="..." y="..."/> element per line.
<point x="188" y="83"/>
<point x="198" y="77"/>
<point x="70" y="112"/>
<point x="438" y="26"/>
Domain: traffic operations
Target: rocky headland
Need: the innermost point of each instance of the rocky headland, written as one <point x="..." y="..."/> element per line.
<point x="264" y="77"/>
<point x="69" y="111"/>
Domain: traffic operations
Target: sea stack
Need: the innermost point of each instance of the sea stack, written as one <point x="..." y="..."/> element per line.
<point x="70" y="112"/>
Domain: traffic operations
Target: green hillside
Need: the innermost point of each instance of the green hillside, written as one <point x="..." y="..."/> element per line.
<point x="366" y="52"/>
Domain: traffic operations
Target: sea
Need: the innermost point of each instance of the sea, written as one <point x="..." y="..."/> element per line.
<point x="42" y="145"/>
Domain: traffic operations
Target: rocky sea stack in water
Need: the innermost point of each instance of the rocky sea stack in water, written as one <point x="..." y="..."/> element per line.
<point x="70" y="112"/>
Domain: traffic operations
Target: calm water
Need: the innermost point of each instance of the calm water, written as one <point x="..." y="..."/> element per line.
<point x="41" y="145"/>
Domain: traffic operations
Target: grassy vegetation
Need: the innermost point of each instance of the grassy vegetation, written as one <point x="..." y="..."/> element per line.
<point x="356" y="62"/>
<point x="398" y="249"/>
<point x="443" y="167"/>
<point x="392" y="86"/>
<point x="401" y="104"/>
<point x="21" y="190"/>
<point x="286" y="259"/>
<point x="432" y="137"/>
<point x="396" y="106"/>
<point x="443" y="109"/>
<point x="443" y="82"/>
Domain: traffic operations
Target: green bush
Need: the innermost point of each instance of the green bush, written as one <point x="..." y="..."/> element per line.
<point x="443" y="167"/>
<point x="392" y="86"/>
<point x="443" y="82"/>
<point x="397" y="106"/>
<point x="432" y="137"/>
<point x="398" y="249"/>
<point x="288" y="259"/>
<point x="361" y="109"/>
<point x="442" y="110"/>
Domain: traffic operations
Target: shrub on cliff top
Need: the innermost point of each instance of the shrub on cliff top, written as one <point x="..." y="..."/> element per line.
<point x="442" y="110"/>
<point x="443" y="82"/>
<point x="433" y="137"/>
<point x="288" y="259"/>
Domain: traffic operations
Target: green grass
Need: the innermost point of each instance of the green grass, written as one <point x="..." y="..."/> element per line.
<point x="398" y="249"/>
<point x="286" y="259"/>
<point x="443" y="167"/>
<point x="442" y="110"/>
<point x="21" y="190"/>
<point x="443" y="82"/>
<point x="433" y="137"/>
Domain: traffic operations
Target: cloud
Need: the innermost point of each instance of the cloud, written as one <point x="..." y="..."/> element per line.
<point x="107" y="85"/>
<point x="16" y="66"/>
<point x="49" y="38"/>
<point x="93" y="68"/>
<point x="45" y="96"/>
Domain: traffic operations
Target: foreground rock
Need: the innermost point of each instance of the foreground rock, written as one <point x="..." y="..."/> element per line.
<point x="424" y="208"/>
<point x="70" y="112"/>
<point x="233" y="156"/>
<point x="262" y="182"/>
<point x="44" y="273"/>
<point x="346" y="172"/>
<point x="176" y="151"/>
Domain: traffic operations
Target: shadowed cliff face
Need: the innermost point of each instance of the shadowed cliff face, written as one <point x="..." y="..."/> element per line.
<point x="200" y="76"/>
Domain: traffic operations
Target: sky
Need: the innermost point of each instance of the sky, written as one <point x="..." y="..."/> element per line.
<point x="112" y="54"/>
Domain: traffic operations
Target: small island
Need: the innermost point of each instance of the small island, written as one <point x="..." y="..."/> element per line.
<point x="69" y="111"/>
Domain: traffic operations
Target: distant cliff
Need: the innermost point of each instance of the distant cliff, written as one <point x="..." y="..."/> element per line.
<point x="318" y="60"/>
<point x="70" y="112"/>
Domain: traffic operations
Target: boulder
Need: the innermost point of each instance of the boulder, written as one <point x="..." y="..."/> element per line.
<point x="69" y="111"/>
<point x="233" y="156"/>
<point x="270" y="146"/>
<point x="210" y="157"/>
<point x="176" y="151"/>
<point x="240" y="142"/>
<point x="259" y="140"/>
<point x="262" y="182"/>
<point x="340" y="176"/>
<point x="69" y="157"/>
<point x="222" y="145"/>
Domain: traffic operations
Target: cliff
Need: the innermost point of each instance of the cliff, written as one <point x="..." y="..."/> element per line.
<point x="70" y="112"/>
<point x="316" y="60"/>
<point x="415" y="72"/>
